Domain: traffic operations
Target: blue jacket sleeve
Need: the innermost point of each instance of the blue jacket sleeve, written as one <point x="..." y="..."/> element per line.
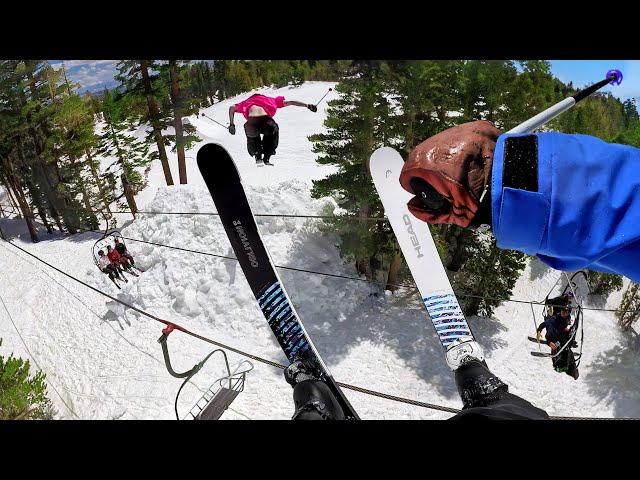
<point x="584" y="211"/>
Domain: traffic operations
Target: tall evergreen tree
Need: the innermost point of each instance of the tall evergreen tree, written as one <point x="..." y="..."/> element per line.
<point x="629" y="310"/>
<point x="603" y="283"/>
<point x="129" y="154"/>
<point x="140" y="78"/>
<point x="488" y="276"/>
<point x="181" y="106"/>
<point x="357" y="124"/>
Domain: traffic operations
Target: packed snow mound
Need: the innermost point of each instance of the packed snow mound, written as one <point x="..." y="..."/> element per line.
<point x="210" y="295"/>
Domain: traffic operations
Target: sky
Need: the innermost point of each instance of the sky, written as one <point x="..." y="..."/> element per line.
<point x="95" y="75"/>
<point x="586" y="72"/>
<point x="92" y="75"/>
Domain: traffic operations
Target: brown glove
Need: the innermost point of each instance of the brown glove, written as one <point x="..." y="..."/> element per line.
<point x="449" y="171"/>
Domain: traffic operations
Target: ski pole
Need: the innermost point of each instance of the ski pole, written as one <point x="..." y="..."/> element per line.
<point x="205" y="115"/>
<point x="330" y="89"/>
<point x="614" y="77"/>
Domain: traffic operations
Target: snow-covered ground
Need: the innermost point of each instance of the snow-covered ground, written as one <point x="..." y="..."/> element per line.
<point x="104" y="362"/>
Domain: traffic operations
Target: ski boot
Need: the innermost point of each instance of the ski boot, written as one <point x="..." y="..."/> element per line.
<point x="259" y="162"/>
<point x="312" y="397"/>
<point x="265" y="160"/>
<point x="478" y="387"/>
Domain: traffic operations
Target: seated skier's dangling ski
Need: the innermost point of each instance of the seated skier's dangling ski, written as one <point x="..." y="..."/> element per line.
<point x="224" y="184"/>
<point x="423" y="260"/>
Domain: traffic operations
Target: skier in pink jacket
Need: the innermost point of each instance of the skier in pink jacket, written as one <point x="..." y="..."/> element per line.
<point x="259" y="111"/>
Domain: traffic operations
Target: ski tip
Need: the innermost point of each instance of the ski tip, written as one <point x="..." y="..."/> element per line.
<point x="383" y="153"/>
<point x="615" y="75"/>
<point x="384" y="161"/>
<point x="208" y="151"/>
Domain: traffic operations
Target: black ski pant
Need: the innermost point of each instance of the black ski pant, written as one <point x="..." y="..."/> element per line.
<point x="266" y="145"/>
<point x="507" y="407"/>
<point x="565" y="362"/>
<point x="112" y="272"/>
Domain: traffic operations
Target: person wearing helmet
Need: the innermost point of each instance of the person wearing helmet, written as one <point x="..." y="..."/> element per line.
<point x="555" y="304"/>
<point x="558" y="335"/>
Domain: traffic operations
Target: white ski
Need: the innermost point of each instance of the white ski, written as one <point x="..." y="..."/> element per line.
<point x="419" y="250"/>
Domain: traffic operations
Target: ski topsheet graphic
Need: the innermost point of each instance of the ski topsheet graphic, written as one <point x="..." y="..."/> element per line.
<point x="224" y="183"/>
<point x="419" y="250"/>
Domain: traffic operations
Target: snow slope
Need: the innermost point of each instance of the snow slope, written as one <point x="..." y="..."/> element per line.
<point x="104" y="362"/>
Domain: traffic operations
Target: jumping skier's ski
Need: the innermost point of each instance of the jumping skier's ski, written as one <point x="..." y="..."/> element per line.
<point x="224" y="183"/>
<point x="423" y="260"/>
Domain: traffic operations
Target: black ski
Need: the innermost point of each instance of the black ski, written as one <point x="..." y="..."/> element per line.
<point x="542" y="341"/>
<point x="224" y="183"/>
<point x="541" y="354"/>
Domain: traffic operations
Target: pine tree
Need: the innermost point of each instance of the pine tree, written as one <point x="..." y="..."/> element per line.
<point x="130" y="154"/>
<point x="630" y="113"/>
<point x="140" y="79"/>
<point x="629" y="310"/>
<point x="488" y="276"/>
<point x="427" y="92"/>
<point x="603" y="283"/>
<point x="181" y="107"/>
<point x="22" y="396"/>
<point x="357" y="124"/>
<point x="12" y="129"/>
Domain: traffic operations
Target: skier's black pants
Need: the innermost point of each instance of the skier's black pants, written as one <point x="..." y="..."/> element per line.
<point x="565" y="362"/>
<point x="507" y="407"/>
<point x="112" y="272"/>
<point x="268" y="128"/>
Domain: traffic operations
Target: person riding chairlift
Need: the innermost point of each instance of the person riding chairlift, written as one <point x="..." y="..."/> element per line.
<point x="121" y="248"/>
<point x="555" y="304"/>
<point x="116" y="260"/>
<point x="105" y="266"/>
<point x="558" y="335"/>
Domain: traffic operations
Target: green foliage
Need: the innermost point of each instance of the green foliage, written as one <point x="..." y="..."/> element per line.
<point x="129" y="154"/>
<point x="629" y="310"/>
<point x="22" y="395"/>
<point x="426" y="91"/>
<point x="603" y="283"/>
<point x="357" y="124"/>
<point x="489" y="272"/>
<point x="47" y="127"/>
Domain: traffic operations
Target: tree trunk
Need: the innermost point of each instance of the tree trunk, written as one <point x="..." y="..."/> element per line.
<point x="98" y="180"/>
<point x="14" y="204"/>
<point x="36" y="199"/>
<point x="177" y="121"/>
<point x="27" y="214"/>
<point x="128" y="193"/>
<point x="153" y="117"/>
<point x="394" y="272"/>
